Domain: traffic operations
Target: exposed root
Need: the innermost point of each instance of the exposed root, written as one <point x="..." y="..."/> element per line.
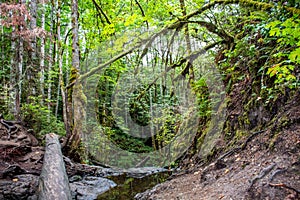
<point x="275" y="173"/>
<point x="262" y="174"/>
<point x="243" y="146"/>
<point x="282" y="185"/>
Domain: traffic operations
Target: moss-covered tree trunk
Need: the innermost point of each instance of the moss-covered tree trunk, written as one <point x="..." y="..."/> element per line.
<point x="76" y="99"/>
<point x="76" y="144"/>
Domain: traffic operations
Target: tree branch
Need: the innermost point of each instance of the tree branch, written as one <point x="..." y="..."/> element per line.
<point x="179" y="24"/>
<point x="142" y="11"/>
<point x="190" y="58"/>
<point x="99" y="9"/>
<point x="247" y="3"/>
<point x="101" y="66"/>
<point x="214" y="29"/>
<point x="194" y="55"/>
<point x="285" y="186"/>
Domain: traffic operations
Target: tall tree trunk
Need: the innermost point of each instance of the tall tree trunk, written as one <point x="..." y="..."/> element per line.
<point x="13" y="76"/>
<point x="51" y="57"/>
<point x="42" y="55"/>
<point x="63" y="81"/>
<point x="19" y="72"/>
<point x="31" y="70"/>
<point x="78" y="97"/>
<point x="61" y="86"/>
<point x="58" y="55"/>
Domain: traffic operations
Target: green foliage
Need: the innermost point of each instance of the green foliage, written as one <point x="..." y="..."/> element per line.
<point x="287" y="34"/>
<point x="41" y="120"/>
<point x="282" y="72"/>
<point x="203" y="100"/>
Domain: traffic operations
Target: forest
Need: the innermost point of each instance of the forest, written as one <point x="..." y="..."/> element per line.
<point x="202" y="88"/>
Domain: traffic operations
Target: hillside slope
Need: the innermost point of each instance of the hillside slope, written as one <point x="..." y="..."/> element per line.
<point x="264" y="164"/>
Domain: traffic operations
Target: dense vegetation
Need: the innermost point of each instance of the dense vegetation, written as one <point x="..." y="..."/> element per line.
<point x="143" y="76"/>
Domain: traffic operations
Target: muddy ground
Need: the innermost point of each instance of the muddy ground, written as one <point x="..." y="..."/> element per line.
<point x="263" y="164"/>
<point x="257" y="172"/>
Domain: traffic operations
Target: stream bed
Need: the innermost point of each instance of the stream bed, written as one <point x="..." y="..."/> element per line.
<point x="127" y="187"/>
<point x="116" y="184"/>
<point x="95" y="183"/>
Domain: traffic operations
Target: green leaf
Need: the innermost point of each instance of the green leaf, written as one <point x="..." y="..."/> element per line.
<point x="273" y="24"/>
<point x="274" y="32"/>
<point x="295" y="56"/>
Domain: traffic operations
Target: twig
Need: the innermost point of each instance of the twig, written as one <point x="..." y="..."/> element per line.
<point x="101" y="11"/>
<point x="228" y="153"/>
<point x="142" y="11"/>
<point x="142" y="162"/>
<point x="284" y="186"/>
<point x="242" y="147"/>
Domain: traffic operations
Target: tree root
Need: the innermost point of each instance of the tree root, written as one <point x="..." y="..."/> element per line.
<point x="275" y="173"/>
<point x="285" y="186"/>
<point x="9" y="125"/>
<point x="262" y="174"/>
<point x="241" y="147"/>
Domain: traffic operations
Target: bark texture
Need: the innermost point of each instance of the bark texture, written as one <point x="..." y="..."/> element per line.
<point x="53" y="183"/>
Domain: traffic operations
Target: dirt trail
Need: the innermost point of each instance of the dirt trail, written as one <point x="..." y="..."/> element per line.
<point x="257" y="172"/>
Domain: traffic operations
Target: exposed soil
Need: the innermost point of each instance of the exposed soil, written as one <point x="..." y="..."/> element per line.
<point x="262" y="165"/>
<point x="253" y="173"/>
<point x="19" y="153"/>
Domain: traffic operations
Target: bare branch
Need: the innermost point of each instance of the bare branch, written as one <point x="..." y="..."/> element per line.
<point x="99" y="9"/>
<point x="142" y="11"/>
<point x="101" y="66"/>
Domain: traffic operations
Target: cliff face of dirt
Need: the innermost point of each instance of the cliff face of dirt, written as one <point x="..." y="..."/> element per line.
<point x="257" y="157"/>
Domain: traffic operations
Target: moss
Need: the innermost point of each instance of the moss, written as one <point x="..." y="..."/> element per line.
<point x="200" y="140"/>
<point x="256" y="86"/>
<point x="273" y="141"/>
<point x="239" y="134"/>
<point x="80" y="94"/>
<point x="209" y="157"/>
<point x="73" y="77"/>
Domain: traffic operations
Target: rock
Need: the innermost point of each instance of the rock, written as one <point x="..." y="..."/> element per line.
<point x="20" y="187"/>
<point x="90" y="187"/>
<point x="139" y="172"/>
<point x="75" y="178"/>
<point x="143" y="171"/>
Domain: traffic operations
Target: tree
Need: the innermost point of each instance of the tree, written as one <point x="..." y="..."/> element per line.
<point x="221" y="26"/>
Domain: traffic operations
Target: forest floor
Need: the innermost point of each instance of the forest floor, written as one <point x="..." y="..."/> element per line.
<point x="266" y="165"/>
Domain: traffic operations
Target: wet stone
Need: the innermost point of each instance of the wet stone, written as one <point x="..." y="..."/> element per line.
<point x="90" y="187"/>
<point x="20" y="187"/>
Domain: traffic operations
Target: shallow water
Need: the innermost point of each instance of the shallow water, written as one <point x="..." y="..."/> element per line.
<point x="128" y="187"/>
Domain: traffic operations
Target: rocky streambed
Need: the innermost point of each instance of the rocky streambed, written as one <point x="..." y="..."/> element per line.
<point x="21" y="161"/>
<point x="111" y="184"/>
<point x="87" y="183"/>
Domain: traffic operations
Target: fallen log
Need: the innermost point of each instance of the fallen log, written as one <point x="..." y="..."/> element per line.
<point x="53" y="182"/>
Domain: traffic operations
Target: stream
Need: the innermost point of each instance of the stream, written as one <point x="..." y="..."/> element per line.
<point x="89" y="183"/>
<point x="112" y="184"/>
<point x="128" y="187"/>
